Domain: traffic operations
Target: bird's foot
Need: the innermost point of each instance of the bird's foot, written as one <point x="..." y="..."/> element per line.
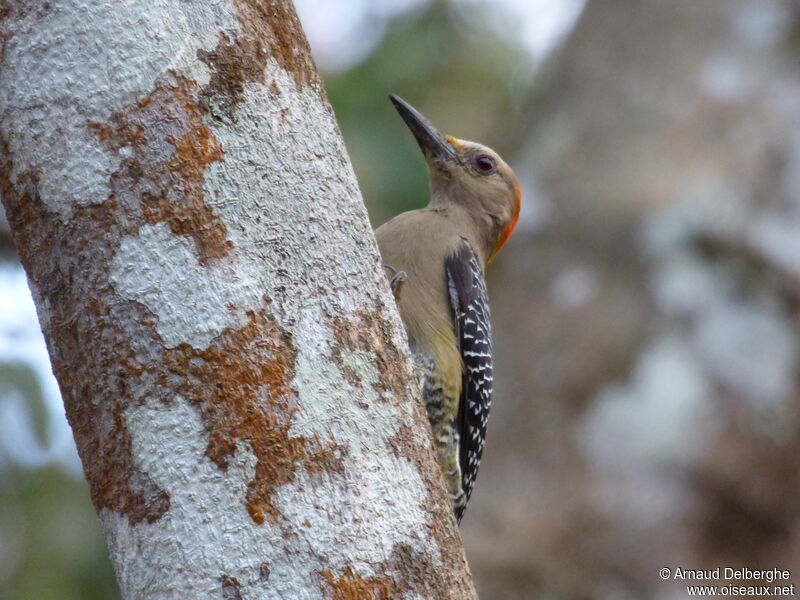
<point x="396" y="281"/>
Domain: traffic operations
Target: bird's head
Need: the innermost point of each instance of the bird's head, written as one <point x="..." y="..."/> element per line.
<point x="469" y="175"/>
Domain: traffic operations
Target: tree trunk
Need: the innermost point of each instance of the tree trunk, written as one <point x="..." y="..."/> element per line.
<point x="230" y="358"/>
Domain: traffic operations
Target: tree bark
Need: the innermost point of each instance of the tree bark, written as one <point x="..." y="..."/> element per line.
<point x="230" y="358"/>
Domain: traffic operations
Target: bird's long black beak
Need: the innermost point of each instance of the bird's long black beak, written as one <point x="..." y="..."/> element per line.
<point x="430" y="140"/>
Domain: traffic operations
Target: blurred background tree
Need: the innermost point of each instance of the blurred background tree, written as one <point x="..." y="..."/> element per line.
<point x="647" y="411"/>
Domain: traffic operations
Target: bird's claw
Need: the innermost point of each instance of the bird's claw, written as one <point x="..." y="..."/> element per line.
<point x="396" y="281"/>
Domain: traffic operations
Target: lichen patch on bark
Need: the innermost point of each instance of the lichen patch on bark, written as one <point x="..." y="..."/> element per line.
<point x="241" y="386"/>
<point x="96" y="58"/>
<point x="74" y="296"/>
<point x="269" y="29"/>
<point x="165" y="149"/>
<point x="350" y="586"/>
<point x="415" y="575"/>
<point x="363" y="332"/>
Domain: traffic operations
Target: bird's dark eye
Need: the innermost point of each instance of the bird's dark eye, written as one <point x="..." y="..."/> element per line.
<point x="484" y="164"/>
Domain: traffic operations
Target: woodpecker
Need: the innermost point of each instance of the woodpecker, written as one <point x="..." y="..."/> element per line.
<point x="436" y="258"/>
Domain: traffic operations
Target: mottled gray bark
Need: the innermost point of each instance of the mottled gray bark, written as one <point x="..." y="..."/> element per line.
<point x="230" y="358"/>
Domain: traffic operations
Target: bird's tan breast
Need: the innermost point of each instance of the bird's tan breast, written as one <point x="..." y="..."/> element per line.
<point x="418" y="242"/>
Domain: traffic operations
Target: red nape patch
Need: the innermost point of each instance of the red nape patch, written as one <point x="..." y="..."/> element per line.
<point x="510" y="227"/>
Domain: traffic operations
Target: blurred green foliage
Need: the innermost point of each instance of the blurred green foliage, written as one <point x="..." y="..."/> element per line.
<point x="21" y="378"/>
<point x="51" y="545"/>
<point x="470" y="81"/>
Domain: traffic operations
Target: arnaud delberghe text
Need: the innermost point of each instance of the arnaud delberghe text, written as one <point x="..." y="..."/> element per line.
<point x="729" y="573"/>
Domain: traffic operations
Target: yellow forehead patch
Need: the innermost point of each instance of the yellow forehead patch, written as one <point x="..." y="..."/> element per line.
<point x="453" y="142"/>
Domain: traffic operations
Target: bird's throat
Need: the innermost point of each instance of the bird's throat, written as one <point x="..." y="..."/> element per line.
<point x="510" y="227"/>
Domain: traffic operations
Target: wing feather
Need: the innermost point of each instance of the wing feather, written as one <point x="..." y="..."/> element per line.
<point x="467" y="288"/>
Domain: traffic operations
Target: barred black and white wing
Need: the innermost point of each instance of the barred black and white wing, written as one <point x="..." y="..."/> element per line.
<point x="467" y="287"/>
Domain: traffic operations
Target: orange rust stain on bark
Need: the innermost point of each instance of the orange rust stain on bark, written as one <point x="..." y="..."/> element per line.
<point x="367" y="332"/>
<point x="350" y="586"/>
<point x="269" y="28"/>
<point x="95" y="378"/>
<point x="167" y="148"/>
<point x="241" y="384"/>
